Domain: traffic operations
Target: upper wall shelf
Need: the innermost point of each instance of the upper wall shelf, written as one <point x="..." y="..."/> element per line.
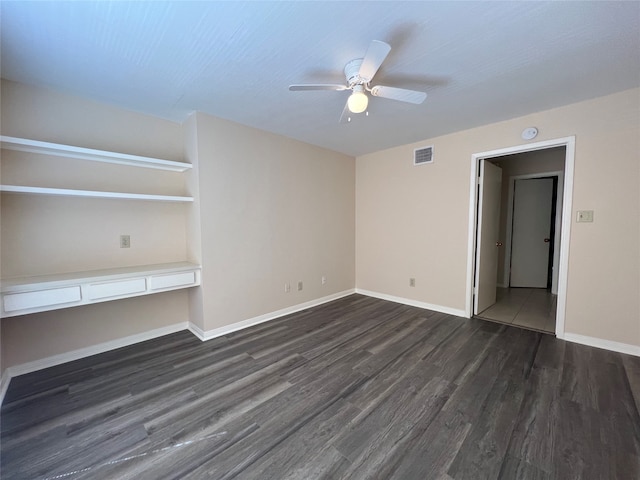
<point x="35" y="146"/>
<point x="65" y="192"/>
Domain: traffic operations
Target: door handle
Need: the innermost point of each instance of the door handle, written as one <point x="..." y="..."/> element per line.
<point x="547" y="240"/>
<point x="498" y="244"/>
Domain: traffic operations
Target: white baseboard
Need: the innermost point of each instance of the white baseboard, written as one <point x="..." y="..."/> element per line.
<point x="413" y="303"/>
<point x="604" y="344"/>
<point x="218" y="332"/>
<point x="54" y="360"/>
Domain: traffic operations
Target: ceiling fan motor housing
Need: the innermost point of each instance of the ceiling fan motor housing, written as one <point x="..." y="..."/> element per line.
<point x="359" y="73"/>
<point x="351" y="71"/>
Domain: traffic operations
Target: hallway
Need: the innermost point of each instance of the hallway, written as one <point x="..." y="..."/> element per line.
<point x="533" y="308"/>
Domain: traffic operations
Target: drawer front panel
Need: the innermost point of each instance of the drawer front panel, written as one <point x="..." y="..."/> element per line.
<point x="173" y="280"/>
<point x="116" y="289"/>
<point x="41" y="298"/>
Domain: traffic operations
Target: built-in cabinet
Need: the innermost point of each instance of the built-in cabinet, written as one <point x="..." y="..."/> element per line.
<point x="38" y="293"/>
<point x="21" y="296"/>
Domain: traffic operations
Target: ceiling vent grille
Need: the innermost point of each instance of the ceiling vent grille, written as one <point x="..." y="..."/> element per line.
<point x="423" y="155"/>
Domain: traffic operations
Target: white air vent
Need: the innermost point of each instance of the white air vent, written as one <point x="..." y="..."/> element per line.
<point x="423" y="155"/>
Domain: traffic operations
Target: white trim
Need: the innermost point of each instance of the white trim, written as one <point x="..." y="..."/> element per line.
<point x="218" y="332"/>
<point x="558" y="226"/>
<point x="66" y="192"/>
<point x="471" y="241"/>
<point x="54" y="360"/>
<point x="197" y="331"/>
<point x="61" y="358"/>
<point x="569" y="143"/>
<point x="604" y="344"/>
<point x="567" y="205"/>
<point x="70" y="151"/>
<point x="479" y="245"/>
<point x="413" y="303"/>
<point x="557" y="234"/>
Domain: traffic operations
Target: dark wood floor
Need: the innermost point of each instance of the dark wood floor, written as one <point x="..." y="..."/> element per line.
<point x="357" y="388"/>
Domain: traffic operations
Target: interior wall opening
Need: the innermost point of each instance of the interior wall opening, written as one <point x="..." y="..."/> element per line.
<point x="520" y="287"/>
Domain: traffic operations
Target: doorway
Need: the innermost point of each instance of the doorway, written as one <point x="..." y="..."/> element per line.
<point x="531" y="232"/>
<point x="554" y="207"/>
<point x="536" y="174"/>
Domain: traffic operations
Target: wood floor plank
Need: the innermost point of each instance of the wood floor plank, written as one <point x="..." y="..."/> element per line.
<point x="302" y="404"/>
<point x="469" y="398"/>
<point x="574" y="455"/>
<point x="385" y="377"/>
<point x="513" y="468"/>
<point x="434" y="443"/>
<point x="376" y="435"/>
<point x="632" y="369"/>
<point x="485" y="446"/>
<point x="356" y="388"/>
<point x="325" y="464"/>
<point x="299" y="448"/>
<point x="532" y="440"/>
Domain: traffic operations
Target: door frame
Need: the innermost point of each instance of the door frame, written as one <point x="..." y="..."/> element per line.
<point x="558" y="225"/>
<point x="569" y="144"/>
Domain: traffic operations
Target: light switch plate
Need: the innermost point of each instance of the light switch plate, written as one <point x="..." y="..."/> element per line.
<point x="584" y="216"/>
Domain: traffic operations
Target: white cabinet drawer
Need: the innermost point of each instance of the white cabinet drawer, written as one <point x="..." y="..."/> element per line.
<point x="172" y="280"/>
<point x="27" y="295"/>
<point x="41" y="298"/>
<point x="116" y="289"/>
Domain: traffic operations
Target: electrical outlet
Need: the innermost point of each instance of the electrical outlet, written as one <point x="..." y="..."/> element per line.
<point x="300" y="286"/>
<point x="125" y="241"/>
<point x="412" y="282"/>
<point x="324" y="280"/>
<point x="585" y="216"/>
<point x="287" y="287"/>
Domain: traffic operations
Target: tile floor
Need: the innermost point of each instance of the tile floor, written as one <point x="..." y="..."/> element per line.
<point x="533" y="308"/>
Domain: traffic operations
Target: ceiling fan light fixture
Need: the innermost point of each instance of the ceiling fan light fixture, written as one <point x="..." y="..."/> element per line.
<point x="359" y="73"/>
<point x="358" y="100"/>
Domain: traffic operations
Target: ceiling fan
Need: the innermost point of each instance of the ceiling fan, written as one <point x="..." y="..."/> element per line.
<point x="359" y="73"/>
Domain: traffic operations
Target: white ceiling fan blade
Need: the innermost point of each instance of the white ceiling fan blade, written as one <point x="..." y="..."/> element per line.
<point x="346" y="114"/>
<point x="401" y="94"/>
<point x="374" y="57"/>
<point x="319" y="86"/>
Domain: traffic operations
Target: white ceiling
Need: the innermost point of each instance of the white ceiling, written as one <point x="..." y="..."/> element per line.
<point x="479" y="62"/>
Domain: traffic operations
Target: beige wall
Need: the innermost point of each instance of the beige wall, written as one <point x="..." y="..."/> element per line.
<point x="268" y="210"/>
<point x="194" y="230"/>
<point x="273" y="210"/>
<point x="413" y="221"/>
<point x="32" y="337"/>
<point x="55" y="117"/>
<point x="41" y="235"/>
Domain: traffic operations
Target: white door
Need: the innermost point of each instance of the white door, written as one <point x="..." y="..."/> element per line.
<point x="487" y="242"/>
<point x="531" y="237"/>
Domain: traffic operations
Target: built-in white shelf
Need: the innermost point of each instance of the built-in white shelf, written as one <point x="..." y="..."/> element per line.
<point x="25" y="295"/>
<point x="46" y="148"/>
<point x="65" y="192"/>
